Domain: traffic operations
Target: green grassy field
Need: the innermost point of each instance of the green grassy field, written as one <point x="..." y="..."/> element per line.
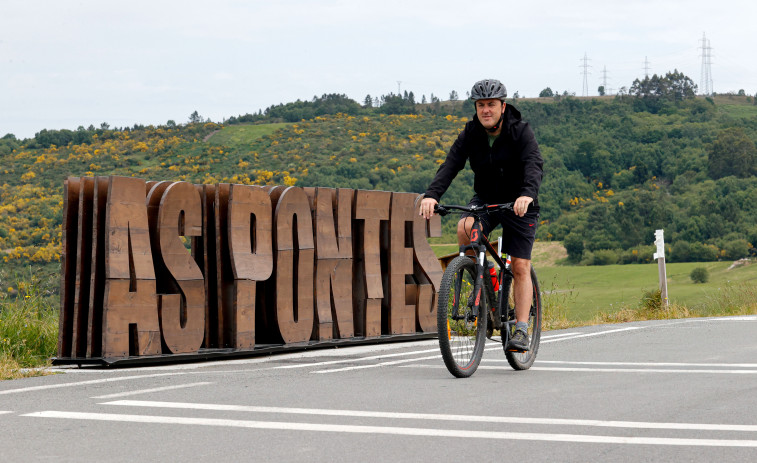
<point x="594" y="289"/>
<point x="585" y="291"/>
<point x="233" y="135"/>
<point x="739" y="111"/>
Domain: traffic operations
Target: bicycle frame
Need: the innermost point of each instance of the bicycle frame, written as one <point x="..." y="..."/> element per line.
<point x="462" y="320"/>
<point x="480" y="245"/>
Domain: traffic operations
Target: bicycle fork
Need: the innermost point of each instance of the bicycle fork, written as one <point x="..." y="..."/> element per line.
<point x="474" y="300"/>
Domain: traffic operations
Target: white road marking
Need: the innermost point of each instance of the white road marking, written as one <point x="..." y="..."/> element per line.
<point x="82" y="383"/>
<point x="146" y="391"/>
<point x="744" y="318"/>
<point x="392" y="430"/>
<point x="641" y="370"/>
<point x="653" y="364"/>
<point x="606" y="370"/>
<point x="397" y="362"/>
<point x="376" y="365"/>
<point x="560" y="335"/>
<point x="356" y="359"/>
<point x="586" y="335"/>
<point x="4" y="412"/>
<point x="435" y="416"/>
<point x="326" y="352"/>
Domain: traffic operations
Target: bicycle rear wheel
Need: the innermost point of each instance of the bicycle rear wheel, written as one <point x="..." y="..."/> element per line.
<point x="524" y="360"/>
<point x="461" y="318"/>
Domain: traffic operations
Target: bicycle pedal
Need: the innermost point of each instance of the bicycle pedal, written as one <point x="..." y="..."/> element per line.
<point x="518" y="351"/>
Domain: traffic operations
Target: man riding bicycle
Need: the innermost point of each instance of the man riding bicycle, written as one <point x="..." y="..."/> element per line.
<point x="507" y="167"/>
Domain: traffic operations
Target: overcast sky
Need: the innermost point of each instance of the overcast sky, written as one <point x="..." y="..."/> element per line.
<point x="69" y="63"/>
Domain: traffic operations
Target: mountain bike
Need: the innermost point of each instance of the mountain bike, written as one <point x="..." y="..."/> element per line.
<point x="471" y="308"/>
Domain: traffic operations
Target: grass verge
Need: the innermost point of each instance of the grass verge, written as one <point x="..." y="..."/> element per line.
<point x="28" y="331"/>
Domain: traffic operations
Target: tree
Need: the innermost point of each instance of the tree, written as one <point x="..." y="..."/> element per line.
<point x="574" y="244"/>
<point x="453" y="95"/>
<point x="601" y="90"/>
<point x="679" y="86"/>
<point x="396" y="104"/>
<point x="195" y="118"/>
<point x="732" y="153"/>
<point x="674" y="86"/>
<point x="368" y="101"/>
<point x="546" y="93"/>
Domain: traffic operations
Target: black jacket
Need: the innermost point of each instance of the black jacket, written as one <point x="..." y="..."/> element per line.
<point x="511" y="168"/>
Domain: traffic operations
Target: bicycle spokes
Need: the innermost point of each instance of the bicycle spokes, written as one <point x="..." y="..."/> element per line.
<point x="461" y="314"/>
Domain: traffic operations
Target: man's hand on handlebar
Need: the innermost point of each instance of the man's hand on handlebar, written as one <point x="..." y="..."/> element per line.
<point x="427" y="207"/>
<point x="521" y="205"/>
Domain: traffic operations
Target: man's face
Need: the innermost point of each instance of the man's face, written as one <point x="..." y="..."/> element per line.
<point x="489" y="111"/>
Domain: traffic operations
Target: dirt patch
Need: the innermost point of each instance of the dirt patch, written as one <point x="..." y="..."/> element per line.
<point x="547" y="253"/>
<point x="740" y="263"/>
<point x="207" y="137"/>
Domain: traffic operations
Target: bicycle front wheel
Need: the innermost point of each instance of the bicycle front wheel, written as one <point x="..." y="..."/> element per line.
<point x="461" y="318"/>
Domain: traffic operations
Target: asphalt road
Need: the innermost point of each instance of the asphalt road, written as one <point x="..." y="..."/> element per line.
<point x="681" y="390"/>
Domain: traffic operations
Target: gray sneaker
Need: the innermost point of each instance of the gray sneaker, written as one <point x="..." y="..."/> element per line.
<point x="518" y="342"/>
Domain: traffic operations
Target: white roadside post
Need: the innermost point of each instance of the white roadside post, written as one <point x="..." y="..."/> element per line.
<point x="660" y="256"/>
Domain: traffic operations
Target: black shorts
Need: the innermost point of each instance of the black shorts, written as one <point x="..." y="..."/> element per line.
<point x="518" y="233"/>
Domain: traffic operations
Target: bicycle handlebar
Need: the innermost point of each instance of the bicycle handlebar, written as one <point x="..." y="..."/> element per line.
<point x="443" y="210"/>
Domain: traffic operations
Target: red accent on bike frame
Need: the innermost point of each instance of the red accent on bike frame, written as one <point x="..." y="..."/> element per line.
<point x="478" y="296"/>
<point x="474" y="235"/>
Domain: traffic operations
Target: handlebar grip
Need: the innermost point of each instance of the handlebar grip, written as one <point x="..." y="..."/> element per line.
<point x="441" y="210"/>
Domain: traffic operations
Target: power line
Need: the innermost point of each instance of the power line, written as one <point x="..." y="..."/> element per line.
<point x="585" y="65"/>
<point x="646" y="68"/>
<point x="705" y="80"/>
<point x="604" y="80"/>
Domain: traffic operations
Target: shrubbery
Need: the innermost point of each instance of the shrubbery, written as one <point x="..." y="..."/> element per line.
<point x="699" y="275"/>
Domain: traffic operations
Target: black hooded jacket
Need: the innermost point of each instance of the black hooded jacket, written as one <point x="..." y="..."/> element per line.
<point x="511" y="168"/>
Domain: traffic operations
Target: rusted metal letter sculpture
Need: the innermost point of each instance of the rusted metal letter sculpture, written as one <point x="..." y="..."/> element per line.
<point x="166" y="269"/>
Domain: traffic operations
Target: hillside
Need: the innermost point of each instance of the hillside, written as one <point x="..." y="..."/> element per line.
<point x="614" y="171"/>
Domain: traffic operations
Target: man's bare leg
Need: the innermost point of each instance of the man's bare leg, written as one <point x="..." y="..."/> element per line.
<point x="464" y="227"/>
<point x="523" y="288"/>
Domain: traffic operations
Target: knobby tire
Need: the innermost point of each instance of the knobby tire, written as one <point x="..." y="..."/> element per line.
<point x="461" y="340"/>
